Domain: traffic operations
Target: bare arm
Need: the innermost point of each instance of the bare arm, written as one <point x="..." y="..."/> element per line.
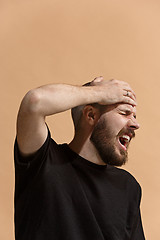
<point x="51" y="99"/>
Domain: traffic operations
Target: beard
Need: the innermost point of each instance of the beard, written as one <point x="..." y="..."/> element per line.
<point x="102" y="139"/>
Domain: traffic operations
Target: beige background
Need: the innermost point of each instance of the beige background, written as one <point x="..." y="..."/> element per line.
<point x="51" y="41"/>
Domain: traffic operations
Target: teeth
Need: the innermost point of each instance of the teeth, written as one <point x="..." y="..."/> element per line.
<point x="126" y="138"/>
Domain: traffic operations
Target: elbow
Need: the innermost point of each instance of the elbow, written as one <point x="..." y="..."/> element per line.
<point x="31" y="102"/>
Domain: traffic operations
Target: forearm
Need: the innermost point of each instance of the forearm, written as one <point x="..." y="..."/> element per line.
<point x="55" y="98"/>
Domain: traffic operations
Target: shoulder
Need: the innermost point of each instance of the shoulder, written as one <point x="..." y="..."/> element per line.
<point x="127" y="178"/>
<point x="131" y="185"/>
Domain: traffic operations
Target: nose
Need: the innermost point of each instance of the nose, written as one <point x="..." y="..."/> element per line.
<point x="133" y="124"/>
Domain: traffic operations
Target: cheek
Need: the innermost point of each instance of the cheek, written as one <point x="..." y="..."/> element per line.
<point x="111" y="125"/>
<point x="119" y="122"/>
<point x="114" y="129"/>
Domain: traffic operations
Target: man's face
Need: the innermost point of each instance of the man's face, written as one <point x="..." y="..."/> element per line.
<point x="113" y="133"/>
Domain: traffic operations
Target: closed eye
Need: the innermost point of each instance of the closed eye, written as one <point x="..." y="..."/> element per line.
<point x="127" y="113"/>
<point x="122" y="113"/>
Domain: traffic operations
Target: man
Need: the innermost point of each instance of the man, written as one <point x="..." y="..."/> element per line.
<point x="74" y="191"/>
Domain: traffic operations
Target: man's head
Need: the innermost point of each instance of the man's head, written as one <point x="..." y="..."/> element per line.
<point x="112" y="132"/>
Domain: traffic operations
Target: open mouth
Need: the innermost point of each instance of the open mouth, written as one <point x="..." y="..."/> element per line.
<point x="124" y="141"/>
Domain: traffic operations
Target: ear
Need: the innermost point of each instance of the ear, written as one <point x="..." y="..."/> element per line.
<point x="91" y="114"/>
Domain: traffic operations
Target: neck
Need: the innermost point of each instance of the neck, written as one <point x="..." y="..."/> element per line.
<point x="85" y="148"/>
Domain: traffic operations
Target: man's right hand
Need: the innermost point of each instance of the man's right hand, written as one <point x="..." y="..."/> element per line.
<point x="114" y="91"/>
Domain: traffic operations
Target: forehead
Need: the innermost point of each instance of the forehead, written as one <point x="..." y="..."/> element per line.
<point x="126" y="107"/>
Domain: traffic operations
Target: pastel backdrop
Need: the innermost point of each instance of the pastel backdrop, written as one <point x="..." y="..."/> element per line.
<point x="55" y="41"/>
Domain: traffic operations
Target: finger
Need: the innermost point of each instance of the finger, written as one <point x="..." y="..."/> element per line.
<point x="129" y="94"/>
<point x="132" y="93"/>
<point x="129" y="100"/>
<point x="124" y="85"/>
<point x="128" y="88"/>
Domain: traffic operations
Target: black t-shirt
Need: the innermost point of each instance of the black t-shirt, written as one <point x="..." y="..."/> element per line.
<point x="61" y="196"/>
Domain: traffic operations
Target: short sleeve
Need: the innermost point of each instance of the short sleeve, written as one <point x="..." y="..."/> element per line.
<point x="25" y="162"/>
<point x="27" y="168"/>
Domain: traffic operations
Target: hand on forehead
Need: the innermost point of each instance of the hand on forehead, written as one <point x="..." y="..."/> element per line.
<point x="114" y="91"/>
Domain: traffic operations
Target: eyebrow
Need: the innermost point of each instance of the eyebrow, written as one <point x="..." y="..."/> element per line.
<point x="127" y="110"/>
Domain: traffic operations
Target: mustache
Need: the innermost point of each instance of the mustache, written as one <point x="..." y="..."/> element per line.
<point x="129" y="132"/>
